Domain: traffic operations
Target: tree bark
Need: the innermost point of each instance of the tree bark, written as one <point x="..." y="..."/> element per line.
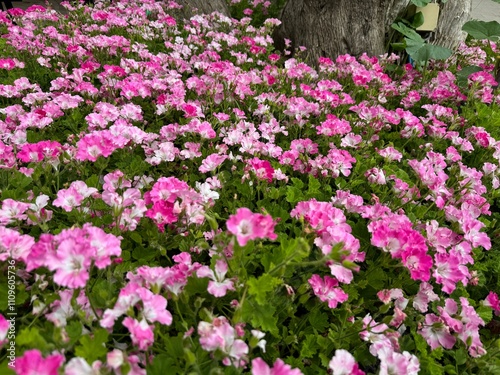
<point x="453" y="15"/>
<point x="192" y="7"/>
<point x="334" y="27"/>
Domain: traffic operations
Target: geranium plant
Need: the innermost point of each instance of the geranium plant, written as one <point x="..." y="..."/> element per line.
<point x="178" y="197"/>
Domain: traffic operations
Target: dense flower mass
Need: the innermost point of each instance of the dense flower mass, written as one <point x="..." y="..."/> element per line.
<point x="178" y="196"/>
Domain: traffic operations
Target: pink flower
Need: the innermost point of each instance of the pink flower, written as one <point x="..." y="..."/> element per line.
<point x="218" y="285"/>
<point x="249" y="226"/>
<point x="14" y="245"/>
<point x="390" y="153"/>
<point x="221" y="335"/>
<point x="211" y="162"/>
<point x="437" y="333"/>
<point x="4" y="329"/>
<point x="141" y="332"/>
<point x="32" y="363"/>
<point x="493" y="302"/>
<point x="424" y="296"/>
<point x="392" y="362"/>
<point x="375" y="176"/>
<point x="326" y="289"/>
<point x="343" y="363"/>
<point x="262" y="169"/>
<point x="259" y="367"/>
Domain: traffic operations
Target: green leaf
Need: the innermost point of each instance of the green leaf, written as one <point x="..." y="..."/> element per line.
<point x="163" y="364"/>
<point x="486" y="313"/>
<point x="318" y="320"/>
<point x="74" y="331"/>
<point x="261" y="286"/>
<point x="418" y="20"/>
<point x="309" y="346"/>
<point x="463" y="75"/>
<point x="31" y="337"/>
<point x="406" y="31"/>
<point x="421" y="51"/>
<point x="293" y="194"/>
<point x="482" y="29"/>
<point x="136" y="237"/>
<point x="261" y="317"/>
<point x="94" y="348"/>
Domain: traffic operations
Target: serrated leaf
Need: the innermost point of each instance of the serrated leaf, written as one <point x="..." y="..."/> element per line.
<point x="485" y="313"/>
<point x="309" y="347"/>
<point x="318" y="320"/>
<point x="261" y="317"/>
<point x="93" y="348"/>
<point x="74" y="331"/>
<point x="482" y="29"/>
<point x="293" y="194"/>
<point x="261" y="286"/>
<point x="31" y="337"/>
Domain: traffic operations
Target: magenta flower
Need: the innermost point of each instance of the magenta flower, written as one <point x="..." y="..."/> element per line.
<point x="32" y="363"/>
<point x="262" y="169"/>
<point x="327" y="290"/>
<point x="493" y="302"/>
<point x="4" y="329"/>
<point x="259" y="367"/>
<point x="249" y="226"/>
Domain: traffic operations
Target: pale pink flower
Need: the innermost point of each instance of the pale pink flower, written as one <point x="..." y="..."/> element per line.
<point x="424" y="296"/>
<point x="437" y="333"/>
<point x="343" y="363"/>
<point x="211" y="162"/>
<point x="218" y="284"/>
<point x="79" y="366"/>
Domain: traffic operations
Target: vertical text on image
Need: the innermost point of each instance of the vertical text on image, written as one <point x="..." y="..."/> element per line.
<point x="12" y="313"/>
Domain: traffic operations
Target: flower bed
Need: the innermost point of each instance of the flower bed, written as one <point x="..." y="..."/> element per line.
<point x="178" y="198"/>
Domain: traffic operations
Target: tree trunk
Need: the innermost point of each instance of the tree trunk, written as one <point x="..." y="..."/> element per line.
<point x="453" y="15"/>
<point x="334" y="27"/>
<point x="192" y="7"/>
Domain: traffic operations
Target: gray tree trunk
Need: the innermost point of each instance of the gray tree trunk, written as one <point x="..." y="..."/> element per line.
<point x="191" y="7"/>
<point x="453" y="15"/>
<point x="334" y="27"/>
